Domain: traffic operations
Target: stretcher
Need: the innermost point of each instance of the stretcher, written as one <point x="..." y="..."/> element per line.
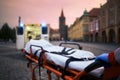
<point x="65" y="63"/>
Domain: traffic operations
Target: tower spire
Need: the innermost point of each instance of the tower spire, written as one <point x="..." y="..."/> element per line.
<point x="62" y="14"/>
<point x="19" y="20"/>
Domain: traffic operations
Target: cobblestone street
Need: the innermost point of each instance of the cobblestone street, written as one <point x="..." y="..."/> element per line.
<point x="13" y="65"/>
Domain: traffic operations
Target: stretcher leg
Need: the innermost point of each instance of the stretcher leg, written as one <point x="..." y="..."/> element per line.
<point x="33" y="70"/>
<point x="80" y="74"/>
<point x="49" y="74"/>
<point x="58" y="78"/>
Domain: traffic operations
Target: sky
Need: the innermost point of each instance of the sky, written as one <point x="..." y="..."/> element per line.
<point x="44" y="11"/>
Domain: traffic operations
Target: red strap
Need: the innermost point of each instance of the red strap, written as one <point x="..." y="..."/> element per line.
<point x="112" y="58"/>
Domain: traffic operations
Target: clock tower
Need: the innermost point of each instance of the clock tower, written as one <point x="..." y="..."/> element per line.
<point x="62" y="26"/>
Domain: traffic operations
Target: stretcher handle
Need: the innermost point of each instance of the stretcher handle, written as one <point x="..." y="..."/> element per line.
<point x="71" y="43"/>
<point x="36" y="46"/>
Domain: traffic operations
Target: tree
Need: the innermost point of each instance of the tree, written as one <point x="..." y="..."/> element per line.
<point x="13" y="35"/>
<point x="0" y="35"/>
<point x="5" y="32"/>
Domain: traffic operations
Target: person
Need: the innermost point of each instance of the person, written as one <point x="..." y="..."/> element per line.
<point x="111" y="58"/>
<point x="30" y="37"/>
<point x="117" y="55"/>
<point x="105" y="60"/>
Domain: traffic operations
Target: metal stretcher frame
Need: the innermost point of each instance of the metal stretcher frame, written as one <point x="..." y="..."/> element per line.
<point x="72" y="74"/>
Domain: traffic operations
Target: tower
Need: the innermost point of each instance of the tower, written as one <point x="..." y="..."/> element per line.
<point x="19" y="21"/>
<point x="62" y="26"/>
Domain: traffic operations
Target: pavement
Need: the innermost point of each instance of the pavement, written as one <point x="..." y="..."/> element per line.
<point x="99" y="48"/>
<point x="13" y="65"/>
<point x="96" y="48"/>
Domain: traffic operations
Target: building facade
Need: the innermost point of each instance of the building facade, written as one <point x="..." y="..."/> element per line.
<point x="85" y="25"/>
<point x="94" y="25"/>
<point x="54" y="34"/>
<point x="74" y="30"/>
<point x="103" y="24"/>
<point x="110" y="22"/>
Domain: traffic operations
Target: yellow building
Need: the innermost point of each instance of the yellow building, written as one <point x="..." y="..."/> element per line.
<point x="74" y="30"/>
<point x="85" y="26"/>
<point x="79" y="30"/>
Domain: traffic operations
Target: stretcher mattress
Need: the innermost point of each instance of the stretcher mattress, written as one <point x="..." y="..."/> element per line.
<point x="61" y="59"/>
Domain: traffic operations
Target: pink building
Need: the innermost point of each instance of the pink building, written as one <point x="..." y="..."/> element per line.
<point x="94" y="24"/>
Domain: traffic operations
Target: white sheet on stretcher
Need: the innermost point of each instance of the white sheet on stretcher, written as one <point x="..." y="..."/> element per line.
<point x="60" y="60"/>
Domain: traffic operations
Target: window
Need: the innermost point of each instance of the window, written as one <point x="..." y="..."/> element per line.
<point x="19" y="30"/>
<point x="97" y="25"/>
<point x="111" y="11"/>
<point x="44" y="30"/>
<point x="85" y="27"/>
<point x="118" y="12"/>
<point x="103" y="23"/>
<point x="111" y="22"/>
<point x="85" y="19"/>
<point x="103" y="13"/>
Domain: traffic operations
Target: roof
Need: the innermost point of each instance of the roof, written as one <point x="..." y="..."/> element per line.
<point x="94" y="12"/>
<point x="85" y="13"/>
